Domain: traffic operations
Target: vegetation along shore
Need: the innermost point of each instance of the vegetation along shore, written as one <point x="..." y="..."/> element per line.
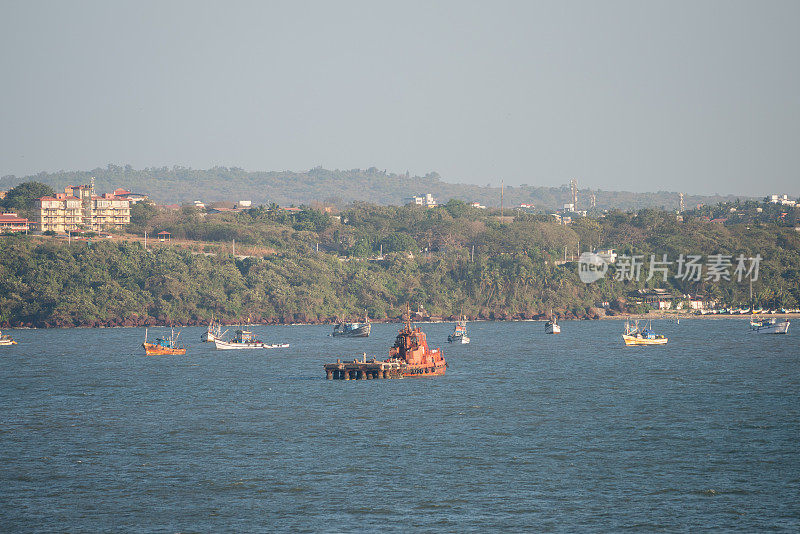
<point x="310" y="265"/>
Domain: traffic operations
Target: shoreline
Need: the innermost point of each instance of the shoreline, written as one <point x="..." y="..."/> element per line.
<point x="619" y="317"/>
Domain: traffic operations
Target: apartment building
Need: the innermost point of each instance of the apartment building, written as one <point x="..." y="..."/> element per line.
<point x="78" y="208"/>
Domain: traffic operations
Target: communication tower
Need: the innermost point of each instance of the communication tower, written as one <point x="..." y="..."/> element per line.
<point x="573" y="186"/>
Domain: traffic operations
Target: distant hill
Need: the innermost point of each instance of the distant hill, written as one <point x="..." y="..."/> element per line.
<point x="179" y="184"/>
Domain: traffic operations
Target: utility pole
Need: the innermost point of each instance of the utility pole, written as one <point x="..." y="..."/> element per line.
<point x="472" y="258"/>
<point x="234" y="247"/>
<point x="145" y="240"/>
<point x="681" y="201"/>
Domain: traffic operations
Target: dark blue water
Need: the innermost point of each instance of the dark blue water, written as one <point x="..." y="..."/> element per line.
<point x="525" y="432"/>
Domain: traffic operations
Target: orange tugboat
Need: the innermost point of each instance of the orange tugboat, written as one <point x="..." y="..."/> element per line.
<point x="164" y="346"/>
<point x="410" y="357"/>
<point x="411" y="347"/>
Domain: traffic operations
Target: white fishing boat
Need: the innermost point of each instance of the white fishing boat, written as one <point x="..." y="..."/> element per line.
<point x="214" y="332"/>
<point x="459" y="335"/>
<point x="552" y="326"/>
<point x="343" y="329"/>
<point x="760" y="325"/>
<point x="244" y="339"/>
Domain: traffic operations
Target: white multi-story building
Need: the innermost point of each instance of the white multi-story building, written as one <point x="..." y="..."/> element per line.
<point x="422" y="200"/>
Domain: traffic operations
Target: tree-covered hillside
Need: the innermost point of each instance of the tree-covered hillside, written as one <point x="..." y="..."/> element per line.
<point x="179" y="184"/>
<point x="516" y="269"/>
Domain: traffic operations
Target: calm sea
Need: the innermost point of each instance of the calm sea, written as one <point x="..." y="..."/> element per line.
<point x="526" y="431"/>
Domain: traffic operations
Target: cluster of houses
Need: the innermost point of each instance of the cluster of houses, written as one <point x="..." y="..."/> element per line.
<point x="662" y="299"/>
<point x="783" y="200"/>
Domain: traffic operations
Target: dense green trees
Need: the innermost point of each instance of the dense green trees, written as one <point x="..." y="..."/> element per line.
<point x="517" y="269"/>
<point x="21" y="199"/>
<point x="167" y="185"/>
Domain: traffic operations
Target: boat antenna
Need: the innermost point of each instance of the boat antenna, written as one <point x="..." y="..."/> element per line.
<point x="408" y="316"/>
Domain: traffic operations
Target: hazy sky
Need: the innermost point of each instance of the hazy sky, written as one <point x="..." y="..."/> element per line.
<point x="700" y="97"/>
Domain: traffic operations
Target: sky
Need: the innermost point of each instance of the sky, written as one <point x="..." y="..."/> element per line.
<point x="701" y="97"/>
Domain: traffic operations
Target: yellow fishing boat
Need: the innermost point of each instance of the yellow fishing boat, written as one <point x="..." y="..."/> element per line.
<point x="164" y="346"/>
<point x="641" y="336"/>
<point x="6" y="340"/>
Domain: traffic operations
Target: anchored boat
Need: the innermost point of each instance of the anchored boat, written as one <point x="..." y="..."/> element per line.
<point x="353" y="329"/>
<point x="244" y="339"/>
<point x="551" y="326"/>
<point x="411" y="347"/>
<point x="6" y="340"/>
<point x="214" y="332"/>
<point x="164" y="346"/>
<point x="459" y="335"/>
<point x="760" y="325"/>
<point x="409" y="357"/>
<point x="641" y="336"/>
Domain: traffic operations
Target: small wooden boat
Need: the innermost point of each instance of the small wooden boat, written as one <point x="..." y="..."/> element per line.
<point x="772" y="325"/>
<point x="6" y="340"/>
<point x="551" y="326"/>
<point x="244" y="339"/>
<point x="214" y="332"/>
<point x="459" y="335"/>
<point x="641" y="336"/>
<point x="343" y="329"/>
<point x="164" y="346"/>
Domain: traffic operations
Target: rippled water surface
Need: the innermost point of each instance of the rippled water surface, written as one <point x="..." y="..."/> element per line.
<point x="525" y="431"/>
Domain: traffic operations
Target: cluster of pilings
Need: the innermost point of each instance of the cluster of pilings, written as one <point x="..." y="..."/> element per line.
<point x="362" y="370"/>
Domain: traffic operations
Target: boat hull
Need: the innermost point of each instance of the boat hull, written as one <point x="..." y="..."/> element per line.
<point x="550" y="328"/>
<point x="633" y="340"/>
<point x="778" y="327"/>
<point x="423" y="371"/>
<point x="360" y="331"/>
<point x="151" y="349"/>
<point x="464" y="340"/>
<point x="7" y="342"/>
<point x="226" y="345"/>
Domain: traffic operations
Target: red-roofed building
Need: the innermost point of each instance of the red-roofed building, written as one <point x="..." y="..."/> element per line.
<point x="133" y="198"/>
<point x="11" y="223"/>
